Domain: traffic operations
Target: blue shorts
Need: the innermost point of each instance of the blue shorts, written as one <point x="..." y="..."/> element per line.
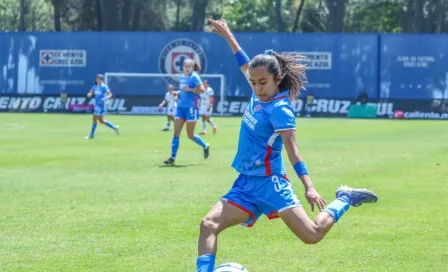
<point x="261" y="195"/>
<point x="99" y="110"/>
<point x="188" y="114"/>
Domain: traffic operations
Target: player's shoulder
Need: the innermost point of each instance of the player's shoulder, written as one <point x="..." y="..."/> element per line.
<point x="282" y="105"/>
<point x="281" y="100"/>
<point x="194" y="74"/>
<point x="104" y="85"/>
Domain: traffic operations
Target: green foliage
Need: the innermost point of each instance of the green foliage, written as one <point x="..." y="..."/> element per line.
<point x="9" y="14"/>
<point x="377" y="16"/>
<point x="242" y="15"/>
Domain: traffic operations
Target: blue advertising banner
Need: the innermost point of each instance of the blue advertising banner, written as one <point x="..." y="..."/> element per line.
<point x="340" y="65"/>
<point x="414" y="67"/>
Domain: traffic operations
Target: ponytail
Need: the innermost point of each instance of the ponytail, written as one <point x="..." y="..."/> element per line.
<point x="196" y="67"/>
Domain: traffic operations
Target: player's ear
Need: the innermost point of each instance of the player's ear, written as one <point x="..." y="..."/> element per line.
<point x="278" y="79"/>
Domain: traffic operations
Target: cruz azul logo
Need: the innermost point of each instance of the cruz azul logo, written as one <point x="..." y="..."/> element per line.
<point x="171" y="59"/>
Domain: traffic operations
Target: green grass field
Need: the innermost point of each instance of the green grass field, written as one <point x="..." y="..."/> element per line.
<point x="67" y="204"/>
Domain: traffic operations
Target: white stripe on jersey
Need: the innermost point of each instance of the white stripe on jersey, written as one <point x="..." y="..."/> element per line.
<point x="170" y="100"/>
<point x="272" y="139"/>
<point x="206" y="97"/>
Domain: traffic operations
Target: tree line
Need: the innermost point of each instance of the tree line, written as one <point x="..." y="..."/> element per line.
<point x="394" y="16"/>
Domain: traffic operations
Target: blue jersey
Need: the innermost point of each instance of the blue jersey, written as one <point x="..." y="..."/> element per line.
<point x="100" y="92"/>
<point x="188" y="99"/>
<point x="260" y="144"/>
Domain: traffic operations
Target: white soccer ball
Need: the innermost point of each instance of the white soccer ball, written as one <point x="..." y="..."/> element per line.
<point x="230" y="267"/>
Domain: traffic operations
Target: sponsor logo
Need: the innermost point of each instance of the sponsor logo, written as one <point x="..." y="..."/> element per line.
<point x="399" y="114"/>
<point x="63" y="58"/>
<point x="53" y="103"/>
<point x="329" y="107"/>
<point x="425" y="115"/>
<point x="316" y="60"/>
<point x="148" y="110"/>
<point x="171" y="59"/>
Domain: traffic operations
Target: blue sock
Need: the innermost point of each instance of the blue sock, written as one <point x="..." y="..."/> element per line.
<point x="92" y="131"/>
<point x="109" y="124"/>
<point x="168" y="124"/>
<point x="338" y="207"/>
<point x="174" y="146"/>
<point x="205" y="263"/>
<point x="199" y="141"/>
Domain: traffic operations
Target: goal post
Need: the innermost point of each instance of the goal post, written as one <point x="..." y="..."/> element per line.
<point x="157" y="83"/>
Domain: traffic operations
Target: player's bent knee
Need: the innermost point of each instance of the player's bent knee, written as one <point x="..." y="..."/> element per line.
<point x="310" y="238"/>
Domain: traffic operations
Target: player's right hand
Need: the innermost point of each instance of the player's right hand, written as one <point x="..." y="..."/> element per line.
<point x="314" y="198"/>
<point x="220" y="27"/>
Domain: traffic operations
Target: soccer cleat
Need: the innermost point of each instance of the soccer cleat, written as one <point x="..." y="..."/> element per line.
<point x="170" y="161"/>
<point x="203" y="133"/>
<point x="206" y="152"/>
<point x="357" y="196"/>
<point x="117" y="130"/>
<point x="89" y="137"/>
<point x="166" y="129"/>
<point x="214" y="130"/>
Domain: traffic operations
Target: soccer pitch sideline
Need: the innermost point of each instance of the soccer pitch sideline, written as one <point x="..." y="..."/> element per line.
<point x="67" y="204"/>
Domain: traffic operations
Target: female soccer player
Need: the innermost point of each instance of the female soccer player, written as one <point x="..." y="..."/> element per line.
<point x="262" y="185"/>
<point x="171" y="101"/>
<point x="102" y="93"/>
<point x="187" y="110"/>
<point x="206" y="107"/>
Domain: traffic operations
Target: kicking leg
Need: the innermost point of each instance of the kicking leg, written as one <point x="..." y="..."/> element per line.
<point x="311" y="232"/>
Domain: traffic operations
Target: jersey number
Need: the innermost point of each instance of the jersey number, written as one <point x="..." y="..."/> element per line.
<point x="277" y="185"/>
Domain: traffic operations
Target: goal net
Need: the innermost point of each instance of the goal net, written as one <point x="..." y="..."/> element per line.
<point x="157" y="84"/>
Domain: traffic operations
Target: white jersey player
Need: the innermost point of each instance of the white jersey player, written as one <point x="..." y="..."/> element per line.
<point x="206" y="107"/>
<point x="171" y="101"/>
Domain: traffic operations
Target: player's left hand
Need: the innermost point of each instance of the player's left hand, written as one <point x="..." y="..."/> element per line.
<point x="313" y="198"/>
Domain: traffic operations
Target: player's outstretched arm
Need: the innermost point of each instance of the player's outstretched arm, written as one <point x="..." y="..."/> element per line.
<point x="109" y="94"/>
<point x="90" y="93"/>
<point x="312" y="196"/>
<point x="221" y="28"/>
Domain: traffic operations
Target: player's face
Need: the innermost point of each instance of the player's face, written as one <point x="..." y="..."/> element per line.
<point x="205" y="82"/>
<point x="99" y="80"/>
<point x="170" y="88"/>
<point x="263" y="83"/>
<point x="188" y="67"/>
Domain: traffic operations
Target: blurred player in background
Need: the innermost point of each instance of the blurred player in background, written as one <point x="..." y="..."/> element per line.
<point x="171" y="103"/>
<point x="101" y="93"/>
<point x="206" y="107"/>
<point x="187" y="111"/>
<point x="63" y="99"/>
<point x="262" y="186"/>
<point x="309" y="104"/>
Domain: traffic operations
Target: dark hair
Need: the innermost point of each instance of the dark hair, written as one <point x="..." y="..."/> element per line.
<point x="196" y="66"/>
<point x="287" y="66"/>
